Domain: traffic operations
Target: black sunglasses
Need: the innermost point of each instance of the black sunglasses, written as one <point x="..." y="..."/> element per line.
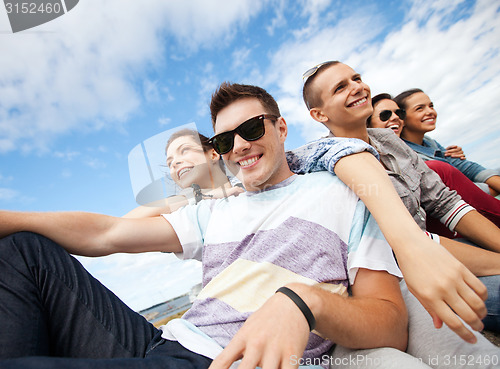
<point x="386" y="114"/>
<point x="250" y="130"/>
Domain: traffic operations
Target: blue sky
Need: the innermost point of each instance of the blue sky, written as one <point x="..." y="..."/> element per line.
<point x="78" y="93"/>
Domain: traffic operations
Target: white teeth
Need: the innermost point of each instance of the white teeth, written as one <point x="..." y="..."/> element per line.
<point x="359" y="102"/>
<point x="183" y="171"/>
<point x="428" y="120"/>
<point x="244" y="163"/>
<point x="394" y="127"/>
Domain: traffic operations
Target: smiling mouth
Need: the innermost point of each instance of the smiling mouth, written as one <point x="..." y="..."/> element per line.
<point x="249" y="161"/>
<point x="183" y="171"/>
<point x="394" y="127"/>
<point x="357" y="103"/>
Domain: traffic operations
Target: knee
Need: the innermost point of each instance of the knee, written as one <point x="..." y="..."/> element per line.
<point x="27" y="243"/>
<point x="440" y="166"/>
<point x="444" y="170"/>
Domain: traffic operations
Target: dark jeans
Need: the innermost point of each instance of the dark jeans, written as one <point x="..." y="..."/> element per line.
<point x="54" y="314"/>
<point x="492" y="320"/>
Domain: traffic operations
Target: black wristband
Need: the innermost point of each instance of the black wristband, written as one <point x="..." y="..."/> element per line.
<point x="301" y="305"/>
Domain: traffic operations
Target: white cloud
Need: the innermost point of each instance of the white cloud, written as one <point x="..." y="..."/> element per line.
<point x="142" y="280"/>
<point x="8" y="194"/>
<point x="95" y="163"/>
<point x="66" y="173"/>
<point x="240" y="57"/>
<point x="309" y="47"/>
<point x="151" y="92"/>
<point x="208" y="83"/>
<point x="164" y="121"/>
<point x="279" y="19"/>
<point x="208" y="23"/>
<point x="67" y="155"/>
<point x="4" y="179"/>
<point x="456" y="62"/>
<point x="80" y="71"/>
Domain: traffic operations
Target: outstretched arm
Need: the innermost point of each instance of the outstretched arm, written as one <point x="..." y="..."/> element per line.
<point x="479" y="229"/>
<point x="90" y="234"/>
<point x="439" y="281"/>
<point x="276" y="335"/>
<point x="170" y="204"/>
<point x="478" y="261"/>
<point x="154" y="209"/>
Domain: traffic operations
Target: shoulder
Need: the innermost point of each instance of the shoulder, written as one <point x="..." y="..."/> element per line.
<point x="385" y="136"/>
<point x="322" y="182"/>
<point x="316" y="178"/>
<point x="430" y="142"/>
<point x="381" y="133"/>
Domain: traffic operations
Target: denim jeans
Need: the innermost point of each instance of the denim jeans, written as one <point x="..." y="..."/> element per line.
<point x="492" y="320"/>
<point x="54" y="314"/>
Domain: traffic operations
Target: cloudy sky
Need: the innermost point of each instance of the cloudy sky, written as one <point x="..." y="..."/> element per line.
<point x="78" y="93"/>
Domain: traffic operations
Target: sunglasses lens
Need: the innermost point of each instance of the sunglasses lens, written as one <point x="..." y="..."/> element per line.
<point x="385" y="115"/>
<point x="401" y="113"/>
<point x="252" y="129"/>
<point x="223" y="143"/>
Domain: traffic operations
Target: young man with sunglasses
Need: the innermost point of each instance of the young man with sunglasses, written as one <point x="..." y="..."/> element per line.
<point x="277" y="264"/>
<point x="336" y="96"/>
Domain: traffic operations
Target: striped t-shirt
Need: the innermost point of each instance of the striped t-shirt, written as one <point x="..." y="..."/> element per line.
<point x="310" y="229"/>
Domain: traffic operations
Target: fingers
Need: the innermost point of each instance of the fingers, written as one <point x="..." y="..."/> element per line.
<point x="465" y="301"/>
<point x="252" y="357"/>
<point x="233" y="352"/>
<point x="235" y="191"/>
<point x="476" y="285"/>
<point x="453" y="322"/>
<point x="455" y="152"/>
<point x="438" y="323"/>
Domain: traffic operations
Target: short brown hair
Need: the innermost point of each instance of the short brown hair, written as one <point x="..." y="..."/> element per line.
<point x="228" y="92"/>
<point x="311" y="96"/>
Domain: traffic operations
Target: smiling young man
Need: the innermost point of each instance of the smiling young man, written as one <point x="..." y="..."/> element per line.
<point x="308" y="237"/>
<point x="337" y="97"/>
<point x="283" y="211"/>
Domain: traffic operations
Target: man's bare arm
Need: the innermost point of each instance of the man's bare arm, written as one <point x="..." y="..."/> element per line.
<point x="277" y="334"/>
<point x="440" y="282"/>
<point x="91" y="234"/>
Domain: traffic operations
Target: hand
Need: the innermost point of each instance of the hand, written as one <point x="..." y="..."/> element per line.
<point x="270" y="338"/>
<point x="455" y="151"/>
<point x="446" y="288"/>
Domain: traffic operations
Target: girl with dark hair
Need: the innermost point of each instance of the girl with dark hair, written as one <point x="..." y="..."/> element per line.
<point x="421" y="119"/>
<point x="387" y="114"/>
